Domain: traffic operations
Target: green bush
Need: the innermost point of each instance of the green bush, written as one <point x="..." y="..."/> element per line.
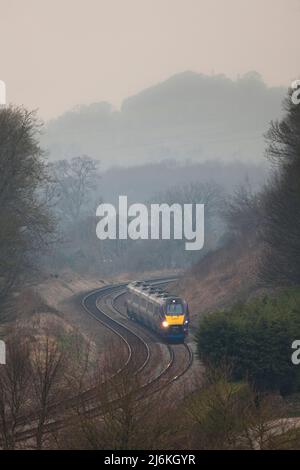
<point x="255" y="338"/>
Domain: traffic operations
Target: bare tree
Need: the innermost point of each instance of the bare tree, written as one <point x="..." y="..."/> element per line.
<point x="25" y="223"/>
<point x="15" y="380"/>
<point x="122" y="415"/>
<point x="75" y="179"/>
<point x="243" y="212"/>
<point x="280" y="230"/>
<point x="47" y="374"/>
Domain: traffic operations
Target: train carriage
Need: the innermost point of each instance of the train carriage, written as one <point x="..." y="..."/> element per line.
<point x="160" y="311"/>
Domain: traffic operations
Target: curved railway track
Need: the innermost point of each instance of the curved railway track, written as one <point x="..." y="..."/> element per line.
<point x="142" y="350"/>
<point x="172" y="349"/>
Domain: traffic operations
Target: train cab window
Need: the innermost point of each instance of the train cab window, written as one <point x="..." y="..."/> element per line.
<point x="174" y="308"/>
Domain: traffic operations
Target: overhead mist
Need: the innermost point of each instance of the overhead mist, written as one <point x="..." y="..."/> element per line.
<point x="184" y="140"/>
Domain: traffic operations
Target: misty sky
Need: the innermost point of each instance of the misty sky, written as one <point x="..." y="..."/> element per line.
<point x="59" y="53"/>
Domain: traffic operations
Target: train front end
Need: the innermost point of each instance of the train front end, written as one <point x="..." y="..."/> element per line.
<point x="176" y="319"/>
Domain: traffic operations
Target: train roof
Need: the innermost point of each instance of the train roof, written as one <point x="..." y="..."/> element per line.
<point x="151" y="292"/>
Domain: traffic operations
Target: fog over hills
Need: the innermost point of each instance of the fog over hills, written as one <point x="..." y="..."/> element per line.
<point x="143" y="182"/>
<point x="190" y="118"/>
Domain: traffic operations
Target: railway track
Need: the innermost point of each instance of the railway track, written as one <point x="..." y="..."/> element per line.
<point x="174" y="350"/>
<point x="141" y="346"/>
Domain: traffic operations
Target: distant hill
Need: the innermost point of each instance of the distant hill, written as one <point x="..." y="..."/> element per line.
<point x="189" y="117"/>
<point x="143" y="182"/>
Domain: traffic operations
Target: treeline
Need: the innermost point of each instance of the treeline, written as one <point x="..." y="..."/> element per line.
<point x="64" y="195"/>
<point x="271" y="216"/>
<point x="26" y="223"/>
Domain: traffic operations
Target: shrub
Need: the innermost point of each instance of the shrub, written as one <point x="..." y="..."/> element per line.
<point x="255" y="338"/>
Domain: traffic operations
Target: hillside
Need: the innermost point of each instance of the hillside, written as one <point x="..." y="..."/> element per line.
<point x="221" y="278"/>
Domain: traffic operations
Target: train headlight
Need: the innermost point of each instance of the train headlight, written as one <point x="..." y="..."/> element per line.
<point x="165" y="324"/>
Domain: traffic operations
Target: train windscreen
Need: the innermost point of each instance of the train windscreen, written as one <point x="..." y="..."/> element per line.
<point x="174" y="308"/>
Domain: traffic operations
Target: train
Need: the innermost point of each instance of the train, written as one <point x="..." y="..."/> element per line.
<point x="162" y="312"/>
